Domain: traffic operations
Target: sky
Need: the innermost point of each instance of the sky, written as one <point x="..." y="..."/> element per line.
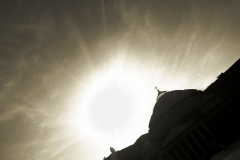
<point x="78" y="76"/>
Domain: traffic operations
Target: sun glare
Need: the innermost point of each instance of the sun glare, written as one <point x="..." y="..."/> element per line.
<point x="110" y="108"/>
<point x="114" y="105"/>
<point x="111" y="101"/>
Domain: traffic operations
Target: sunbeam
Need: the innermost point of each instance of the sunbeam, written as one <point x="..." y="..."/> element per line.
<point x="112" y="101"/>
<point x="77" y="77"/>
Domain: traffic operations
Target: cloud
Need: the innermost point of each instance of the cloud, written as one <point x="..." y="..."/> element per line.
<point x="24" y="129"/>
<point x="48" y="50"/>
<point x="9" y="114"/>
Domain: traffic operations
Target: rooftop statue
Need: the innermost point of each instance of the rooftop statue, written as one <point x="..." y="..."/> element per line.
<point x="160" y="93"/>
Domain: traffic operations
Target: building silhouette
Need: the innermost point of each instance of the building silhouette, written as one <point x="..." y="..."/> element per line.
<point x="192" y="124"/>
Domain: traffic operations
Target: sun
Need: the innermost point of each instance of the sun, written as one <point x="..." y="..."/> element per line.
<point x="112" y="103"/>
<point x="111" y="107"/>
<point x="109" y="102"/>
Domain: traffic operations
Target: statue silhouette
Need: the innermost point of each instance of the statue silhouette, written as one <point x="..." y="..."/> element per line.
<point x="159" y="93"/>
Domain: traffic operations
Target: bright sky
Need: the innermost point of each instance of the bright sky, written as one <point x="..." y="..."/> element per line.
<point x="77" y="77"/>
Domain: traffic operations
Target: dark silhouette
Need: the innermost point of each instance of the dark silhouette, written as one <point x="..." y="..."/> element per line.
<point x="159" y="93"/>
<point x="192" y="124"/>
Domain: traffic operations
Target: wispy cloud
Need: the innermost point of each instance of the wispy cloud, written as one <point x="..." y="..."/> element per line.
<point x="49" y="51"/>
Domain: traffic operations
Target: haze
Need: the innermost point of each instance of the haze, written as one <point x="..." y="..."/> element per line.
<point x="77" y="77"/>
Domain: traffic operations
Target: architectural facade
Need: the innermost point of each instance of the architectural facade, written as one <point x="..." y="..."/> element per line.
<point x="192" y="124"/>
